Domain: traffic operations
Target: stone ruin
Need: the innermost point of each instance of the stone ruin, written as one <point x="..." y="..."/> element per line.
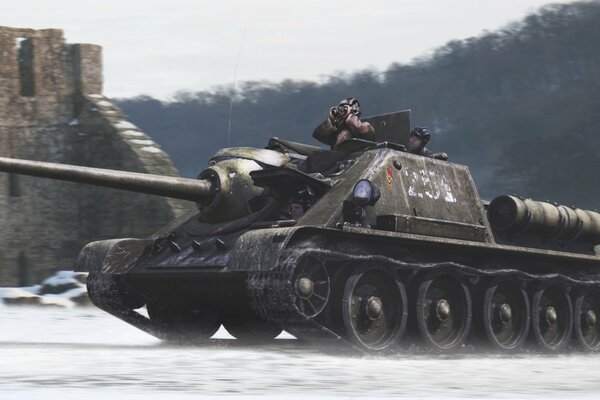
<point x="52" y="109"/>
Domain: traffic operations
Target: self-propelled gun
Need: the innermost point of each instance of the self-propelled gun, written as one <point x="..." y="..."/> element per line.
<point x="385" y="249"/>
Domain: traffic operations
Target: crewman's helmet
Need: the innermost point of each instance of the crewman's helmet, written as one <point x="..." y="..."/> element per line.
<point x="353" y="104"/>
<point x="422" y="133"/>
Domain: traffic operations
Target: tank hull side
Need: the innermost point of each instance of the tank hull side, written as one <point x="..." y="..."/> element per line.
<point x="267" y="249"/>
<point x="264" y="282"/>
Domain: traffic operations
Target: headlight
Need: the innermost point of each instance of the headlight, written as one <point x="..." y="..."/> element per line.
<point x="365" y="193"/>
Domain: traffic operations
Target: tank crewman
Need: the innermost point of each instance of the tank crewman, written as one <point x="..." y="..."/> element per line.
<point x="296" y="210"/>
<point x="343" y="123"/>
<point x="419" y="137"/>
<point x="298" y="205"/>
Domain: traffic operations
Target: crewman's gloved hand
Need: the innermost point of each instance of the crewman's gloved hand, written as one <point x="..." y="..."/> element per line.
<point x="331" y="116"/>
<point x="351" y="119"/>
<point x="440" y="156"/>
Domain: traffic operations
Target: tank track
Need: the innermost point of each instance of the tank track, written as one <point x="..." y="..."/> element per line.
<point x="272" y="297"/>
<point x="272" y="294"/>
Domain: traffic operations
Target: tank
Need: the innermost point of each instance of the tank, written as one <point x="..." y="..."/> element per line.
<point x="368" y="246"/>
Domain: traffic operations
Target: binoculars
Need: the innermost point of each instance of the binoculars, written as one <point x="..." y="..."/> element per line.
<point x="339" y="114"/>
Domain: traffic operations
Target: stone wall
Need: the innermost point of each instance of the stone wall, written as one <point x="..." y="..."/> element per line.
<point x="52" y="109"/>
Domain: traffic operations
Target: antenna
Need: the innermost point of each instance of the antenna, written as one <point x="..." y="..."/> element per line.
<point x="235" y="71"/>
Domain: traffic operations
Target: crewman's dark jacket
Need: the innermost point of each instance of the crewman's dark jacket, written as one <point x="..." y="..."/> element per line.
<point x="425" y="152"/>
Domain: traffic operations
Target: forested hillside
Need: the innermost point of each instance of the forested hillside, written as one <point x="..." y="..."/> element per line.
<point x="520" y="106"/>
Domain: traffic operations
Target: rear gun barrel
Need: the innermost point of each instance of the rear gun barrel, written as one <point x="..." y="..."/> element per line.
<point x="197" y="190"/>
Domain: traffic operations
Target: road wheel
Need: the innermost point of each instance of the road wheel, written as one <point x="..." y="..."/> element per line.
<point x="250" y="327"/>
<point x="506" y="315"/>
<point x="443" y="311"/>
<point x="587" y="327"/>
<point x="374" y="310"/>
<point x="184" y="324"/>
<point x="551" y="317"/>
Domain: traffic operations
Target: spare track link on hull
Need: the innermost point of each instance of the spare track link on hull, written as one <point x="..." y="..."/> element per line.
<point x="273" y="295"/>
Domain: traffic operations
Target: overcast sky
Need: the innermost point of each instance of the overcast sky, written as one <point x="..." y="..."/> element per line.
<point x="160" y="47"/>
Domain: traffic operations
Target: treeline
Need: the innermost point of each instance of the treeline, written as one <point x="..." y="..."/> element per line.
<point x="520" y="106"/>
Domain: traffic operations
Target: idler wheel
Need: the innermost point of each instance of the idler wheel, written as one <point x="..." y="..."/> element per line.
<point x="374" y="310"/>
<point x="443" y="311"/>
<point x="250" y="327"/>
<point x="587" y="326"/>
<point x="551" y="317"/>
<point x="506" y="315"/>
<point x="311" y="286"/>
<point x="184" y="324"/>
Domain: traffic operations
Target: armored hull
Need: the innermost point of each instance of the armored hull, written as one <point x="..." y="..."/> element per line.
<point x="391" y="250"/>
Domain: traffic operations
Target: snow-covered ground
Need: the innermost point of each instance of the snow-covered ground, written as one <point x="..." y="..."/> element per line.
<point x="76" y="353"/>
<point x="70" y="352"/>
<point x="63" y="289"/>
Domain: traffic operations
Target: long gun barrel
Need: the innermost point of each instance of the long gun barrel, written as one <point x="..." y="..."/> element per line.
<point x="196" y="190"/>
<point x="547" y="220"/>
